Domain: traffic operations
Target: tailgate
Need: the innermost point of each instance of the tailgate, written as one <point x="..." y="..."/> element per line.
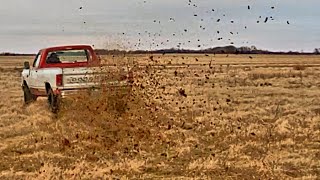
<point x="88" y="77"/>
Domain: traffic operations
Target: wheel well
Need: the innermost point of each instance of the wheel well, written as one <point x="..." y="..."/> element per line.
<point x="48" y="87"/>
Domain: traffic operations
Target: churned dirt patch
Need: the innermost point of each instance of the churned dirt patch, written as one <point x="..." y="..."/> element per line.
<point x="188" y="116"/>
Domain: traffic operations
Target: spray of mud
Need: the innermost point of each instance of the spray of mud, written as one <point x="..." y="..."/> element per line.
<point x="112" y="120"/>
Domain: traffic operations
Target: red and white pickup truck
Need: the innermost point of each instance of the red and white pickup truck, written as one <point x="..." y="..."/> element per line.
<point x="59" y="71"/>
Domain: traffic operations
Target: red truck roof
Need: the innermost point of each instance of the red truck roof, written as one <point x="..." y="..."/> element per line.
<point x="57" y="48"/>
<point x="44" y="53"/>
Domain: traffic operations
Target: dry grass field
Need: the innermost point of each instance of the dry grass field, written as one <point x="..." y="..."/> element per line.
<point x="189" y="116"/>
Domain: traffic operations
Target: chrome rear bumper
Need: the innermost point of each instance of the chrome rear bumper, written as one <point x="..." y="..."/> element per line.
<point x="114" y="89"/>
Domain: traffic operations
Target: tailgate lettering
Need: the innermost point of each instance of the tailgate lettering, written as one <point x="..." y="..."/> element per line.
<point x="73" y="80"/>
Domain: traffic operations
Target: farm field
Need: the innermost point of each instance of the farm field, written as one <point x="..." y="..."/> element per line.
<point x="189" y="116"/>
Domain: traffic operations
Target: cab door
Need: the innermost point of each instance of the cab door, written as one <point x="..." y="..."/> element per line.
<point x="33" y="79"/>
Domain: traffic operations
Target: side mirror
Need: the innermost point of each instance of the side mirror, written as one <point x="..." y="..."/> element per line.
<point x="26" y="65"/>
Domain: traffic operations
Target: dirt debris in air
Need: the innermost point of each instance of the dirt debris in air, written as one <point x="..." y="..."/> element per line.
<point x="214" y="120"/>
<point x="236" y="128"/>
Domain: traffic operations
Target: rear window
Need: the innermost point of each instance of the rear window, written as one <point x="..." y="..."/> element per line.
<point x="68" y="56"/>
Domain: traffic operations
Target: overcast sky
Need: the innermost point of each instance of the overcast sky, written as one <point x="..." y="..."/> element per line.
<point x="28" y="25"/>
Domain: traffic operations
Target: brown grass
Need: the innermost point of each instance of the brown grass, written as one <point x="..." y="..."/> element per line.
<point x="217" y="117"/>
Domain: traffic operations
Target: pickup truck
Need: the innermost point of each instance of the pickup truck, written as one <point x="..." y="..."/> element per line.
<point x="57" y="72"/>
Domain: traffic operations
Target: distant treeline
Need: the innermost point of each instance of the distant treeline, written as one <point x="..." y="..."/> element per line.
<point x="15" y="54"/>
<point x="215" y="50"/>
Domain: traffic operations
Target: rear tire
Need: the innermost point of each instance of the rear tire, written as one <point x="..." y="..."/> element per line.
<point x="53" y="101"/>
<point x="27" y="95"/>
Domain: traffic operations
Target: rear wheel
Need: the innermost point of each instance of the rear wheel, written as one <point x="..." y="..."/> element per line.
<point x="53" y="101"/>
<point x="27" y="95"/>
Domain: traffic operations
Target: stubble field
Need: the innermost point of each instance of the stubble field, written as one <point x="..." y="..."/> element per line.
<point x="189" y="116"/>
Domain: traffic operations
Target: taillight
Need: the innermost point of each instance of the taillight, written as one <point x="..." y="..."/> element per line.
<point x="59" y="81"/>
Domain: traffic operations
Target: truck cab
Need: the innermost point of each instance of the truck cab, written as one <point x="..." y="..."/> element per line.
<point x="59" y="71"/>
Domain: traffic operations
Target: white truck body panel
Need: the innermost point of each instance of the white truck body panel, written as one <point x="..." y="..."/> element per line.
<point x="36" y="78"/>
<point x="75" y="78"/>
